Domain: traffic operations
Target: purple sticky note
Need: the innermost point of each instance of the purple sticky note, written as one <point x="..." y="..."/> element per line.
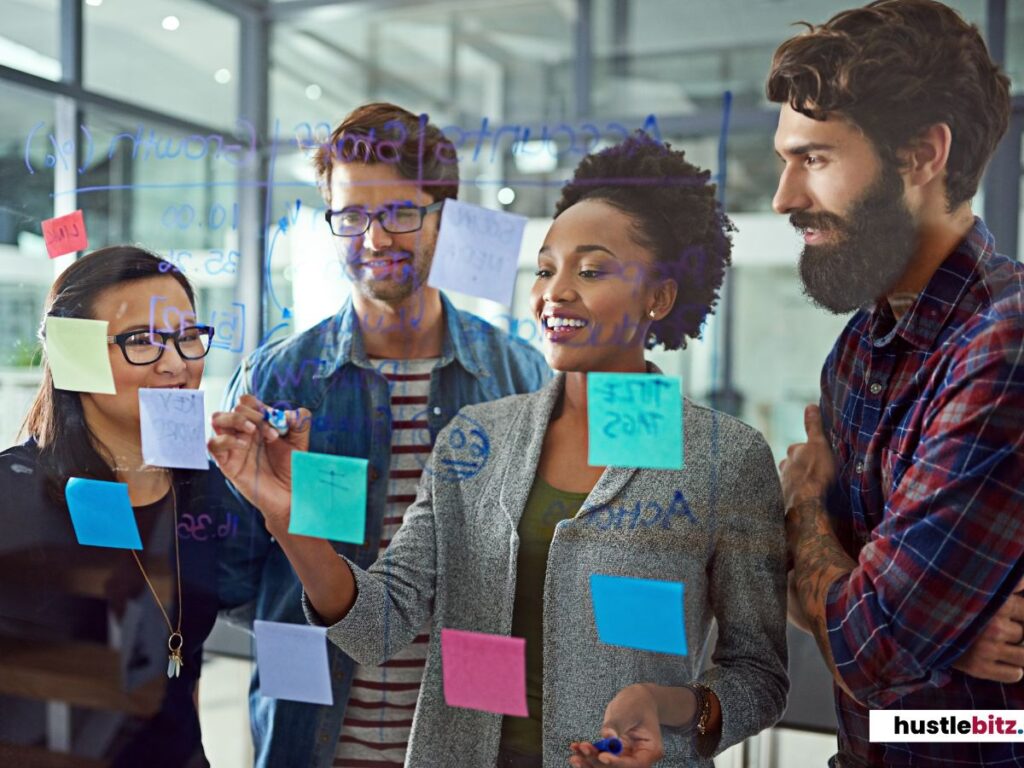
<point x="484" y="672"/>
<point x="292" y="662"/>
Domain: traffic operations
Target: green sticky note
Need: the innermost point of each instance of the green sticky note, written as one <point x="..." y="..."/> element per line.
<point x="635" y="420"/>
<point x="78" y="354"/>
<point x="328" y="497"/>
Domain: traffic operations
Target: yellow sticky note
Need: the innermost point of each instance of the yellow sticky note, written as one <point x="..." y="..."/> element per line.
<point x="77" y="352"/>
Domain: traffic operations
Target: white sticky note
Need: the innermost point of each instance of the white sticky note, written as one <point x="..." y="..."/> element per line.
<point x="477" y="251"/>
<point x="76" y="350"/>
<point x="292" y="662"/>
<point x="173" y="428"/>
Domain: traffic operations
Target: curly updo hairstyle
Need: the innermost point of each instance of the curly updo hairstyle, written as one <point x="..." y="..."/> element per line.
<point x="676" y="216"/>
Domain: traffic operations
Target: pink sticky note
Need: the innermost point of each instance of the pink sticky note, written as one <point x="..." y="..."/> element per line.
<point x="484" y="672"/>
<point x="65" y="234"/>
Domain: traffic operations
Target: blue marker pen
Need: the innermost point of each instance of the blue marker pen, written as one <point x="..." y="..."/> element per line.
<point x="278" y="420"/>
<point x="610" y="744"/>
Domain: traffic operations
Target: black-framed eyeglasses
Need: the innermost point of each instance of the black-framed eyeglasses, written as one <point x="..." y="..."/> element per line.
<point x="396" y="219"/>
<point x="145" y="347"/>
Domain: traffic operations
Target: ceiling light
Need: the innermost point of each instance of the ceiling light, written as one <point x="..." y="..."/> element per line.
<point x="313" y="92"/>
<point x="506" y="195"/>
<point x="94" y="3"/>
<point x="222" y="76"/>
<point x="170" y="23"/>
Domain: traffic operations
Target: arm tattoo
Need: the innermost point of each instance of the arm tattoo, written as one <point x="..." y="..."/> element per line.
<point x="818" y="560"/>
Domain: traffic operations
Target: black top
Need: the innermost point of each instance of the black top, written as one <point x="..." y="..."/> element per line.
<point x="55" y="591"/>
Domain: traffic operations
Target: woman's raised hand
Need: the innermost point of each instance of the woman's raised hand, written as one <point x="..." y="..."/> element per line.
<point x="257" y="459"/>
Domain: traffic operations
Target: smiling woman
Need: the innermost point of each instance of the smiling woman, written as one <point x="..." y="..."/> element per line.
<point x="68" y="601"/>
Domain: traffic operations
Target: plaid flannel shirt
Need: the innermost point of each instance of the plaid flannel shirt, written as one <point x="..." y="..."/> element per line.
<point x="926" y="418"/>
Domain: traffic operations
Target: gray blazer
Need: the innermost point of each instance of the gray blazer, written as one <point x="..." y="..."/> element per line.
<point x="454" y="559"/>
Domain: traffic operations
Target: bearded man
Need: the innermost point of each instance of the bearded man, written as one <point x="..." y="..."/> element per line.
<point x="905" y="509"/>
<point x="381" y="377"/>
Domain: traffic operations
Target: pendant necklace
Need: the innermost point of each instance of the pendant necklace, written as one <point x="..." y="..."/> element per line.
<point x="174" y="640"/>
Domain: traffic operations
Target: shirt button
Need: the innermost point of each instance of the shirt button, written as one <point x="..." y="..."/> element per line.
<point x="859" y="468"/>
<point x="437" y="410"/>
<point x="373" y="474"/>
<point x="876" y="388"/>
<point x="339" y="675"/>
<point x="323" y="738"/>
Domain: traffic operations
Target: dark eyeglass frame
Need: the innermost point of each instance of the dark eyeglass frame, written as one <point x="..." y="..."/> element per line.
<point x="165" y="336"/>
<point x="378" y="215"/>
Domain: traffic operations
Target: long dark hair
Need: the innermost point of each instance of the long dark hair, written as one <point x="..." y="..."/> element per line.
<point x="56" y="419"/>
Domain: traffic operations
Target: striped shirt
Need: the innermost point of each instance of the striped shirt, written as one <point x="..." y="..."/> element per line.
<point x="926" y="418"/>
<point x="375" y="731"/>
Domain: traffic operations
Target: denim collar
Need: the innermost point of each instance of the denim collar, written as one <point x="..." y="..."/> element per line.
<point x="343" y="341"/>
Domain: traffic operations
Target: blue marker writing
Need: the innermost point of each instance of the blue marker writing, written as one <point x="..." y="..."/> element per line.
<point x="278" y="419"/>
<point x="611" y="744"/>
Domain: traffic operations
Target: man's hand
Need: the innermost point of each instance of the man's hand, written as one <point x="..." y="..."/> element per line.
<point x="997" y="653"/>
<point x="257" y="459"/>
<point x="809" y="468"/>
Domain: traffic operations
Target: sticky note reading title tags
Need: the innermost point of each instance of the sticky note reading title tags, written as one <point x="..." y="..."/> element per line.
<point x="101" y="513"/>
<point x="77" y="352"/>
<point x="639" y="613"/>
<point x="635" y="420"/>
<point x="173" y="428"/>
<point x="484" y="672"/>
<point x="328" y="497"/>
<point x="292" y="662"/>
<point x="65" y="234"/>
<point x="477" y="251"/>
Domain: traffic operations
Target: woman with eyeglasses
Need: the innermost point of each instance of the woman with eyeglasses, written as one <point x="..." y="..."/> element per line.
<point x="115" y="634"/>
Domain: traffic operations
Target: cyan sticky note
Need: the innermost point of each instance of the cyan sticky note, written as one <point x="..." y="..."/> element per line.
<point x="292" y="662"/>
<point x="477" y="251"/>
<point x="101" y="513"/>
<point x="328" y="497"/>
<point x="77" y="352"/>
<point x="639" y="613"/>
<point x="635" y="420"/>
<point x="173" y="428"/>
<point x="484" y="672"/>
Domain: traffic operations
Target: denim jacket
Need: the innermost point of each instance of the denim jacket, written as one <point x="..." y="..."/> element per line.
<point x="326" y="370"/>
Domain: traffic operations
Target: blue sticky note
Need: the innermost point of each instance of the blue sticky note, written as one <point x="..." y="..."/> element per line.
<point x="635" y="420"/>
<point x="477" y="251"/>
<point x="102" y="514"/>
<point x="639" y="613"/>
<point x="328" y="497"/>
<point x="292" y="662"/>
<point x="173" y="428"/>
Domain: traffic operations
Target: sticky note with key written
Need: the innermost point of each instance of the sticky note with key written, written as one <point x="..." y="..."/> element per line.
<point x="77" y="352"/>
<point x="635" y="420"/>
<point x="173" y="428"/>
<point x="484" y="672"/>
<point x="328" y="497"/>
<point x="292" y="662"/>
<point x="102" y="514"/>
<point x="477" y="251"/>
<point x="639" y="613"/>
<point x="65" y="234"/>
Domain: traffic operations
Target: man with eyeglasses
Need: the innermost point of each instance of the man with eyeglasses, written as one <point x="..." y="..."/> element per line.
<point x="381" y="378"/>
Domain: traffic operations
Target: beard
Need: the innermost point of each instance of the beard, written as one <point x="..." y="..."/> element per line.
<point x="872" y="246"/>
<point x="408" y="272"/>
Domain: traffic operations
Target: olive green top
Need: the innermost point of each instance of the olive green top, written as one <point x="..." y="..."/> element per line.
<point x="545" y="507"/>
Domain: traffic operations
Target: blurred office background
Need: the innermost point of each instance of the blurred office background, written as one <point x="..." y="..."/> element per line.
<point x="183" y="125"/>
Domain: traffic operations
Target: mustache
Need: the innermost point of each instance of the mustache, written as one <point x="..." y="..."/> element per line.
<point x="368" y="255"/>
<point x="820" y="220"/>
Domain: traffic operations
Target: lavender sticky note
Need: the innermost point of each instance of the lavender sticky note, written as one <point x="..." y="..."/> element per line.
<point x="101" y="513"/>
<point x="639" y="613"/>
<point x="484" y="672"/>
<point x="292" y="662"/>
<point x="477" y="251"/>
<point x="173" y="428"/>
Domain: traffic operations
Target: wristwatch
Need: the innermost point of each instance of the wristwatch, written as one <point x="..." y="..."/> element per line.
<point x="703" y="694"/>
